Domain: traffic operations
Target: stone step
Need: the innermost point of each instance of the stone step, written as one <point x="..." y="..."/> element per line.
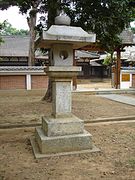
<point x="67" y="143"/>
<point x="62" y="126"/>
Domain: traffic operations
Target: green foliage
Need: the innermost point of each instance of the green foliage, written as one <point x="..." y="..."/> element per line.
<point x="28" y="7"/>
<point x="107" y="18"/>
<point x="1" y="28"/>
<point x="132" y="7"/>
<point x="1" y="40"/>
<point x="7" y="29"/>
<point x="133" y="29"/>
<point x="5" y="4"/>
<point x="109" y="60"/>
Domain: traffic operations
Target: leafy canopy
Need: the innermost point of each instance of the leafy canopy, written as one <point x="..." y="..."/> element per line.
<point x="8" y="29"/>
<point x="106" y="18"/>
<point x="1" y="28"/>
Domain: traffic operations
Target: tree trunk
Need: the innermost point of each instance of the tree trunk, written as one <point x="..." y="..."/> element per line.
<point x="48" y="95"/>
<point x="53" y="11"/>
<point x="75" y="77"/>
<point x="32" y="23"/>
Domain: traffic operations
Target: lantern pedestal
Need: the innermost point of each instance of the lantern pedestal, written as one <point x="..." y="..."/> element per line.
<point x="62" y="133"/>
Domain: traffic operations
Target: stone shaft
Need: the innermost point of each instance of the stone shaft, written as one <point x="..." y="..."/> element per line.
<point x="61" y="103"/>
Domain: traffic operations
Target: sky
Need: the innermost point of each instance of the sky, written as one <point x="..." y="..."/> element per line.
<point x="133" y="24"/>
<point x="18" y="20"/>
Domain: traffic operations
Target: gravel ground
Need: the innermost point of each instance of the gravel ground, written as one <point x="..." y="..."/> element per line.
<point x="116" y="161"/>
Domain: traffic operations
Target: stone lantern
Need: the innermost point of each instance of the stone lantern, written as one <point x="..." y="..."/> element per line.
<point x="62" y="133"/>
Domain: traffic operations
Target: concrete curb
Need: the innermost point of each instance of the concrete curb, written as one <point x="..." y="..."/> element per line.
<point x="12" y="126"/>
<point x="94" y="121"/>
<point x="120" y="118"/>
<point x="105" y="91"/>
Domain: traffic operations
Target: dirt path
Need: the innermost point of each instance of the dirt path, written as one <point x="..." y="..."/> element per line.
<point x="116" y="161"/>
<point x="26" y="107"/>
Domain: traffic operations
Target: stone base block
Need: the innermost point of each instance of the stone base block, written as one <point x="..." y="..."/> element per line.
<point x="62" y="126"/>
<point x="67" y="143"/>
<point x="38" y="154"/>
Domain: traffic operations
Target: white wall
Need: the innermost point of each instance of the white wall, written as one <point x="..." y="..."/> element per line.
<point x="125" y="84"/>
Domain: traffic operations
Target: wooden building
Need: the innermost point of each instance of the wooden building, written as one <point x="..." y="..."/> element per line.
<point x="14" y="70"/>
<point x="91" y="63"/>
<point x="14" y="51"/>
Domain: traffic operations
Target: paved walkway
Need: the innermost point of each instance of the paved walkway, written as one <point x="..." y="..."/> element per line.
<point x="105" y="90"/>
<point x="120" y="98"/>
<point x="89" y="90"/>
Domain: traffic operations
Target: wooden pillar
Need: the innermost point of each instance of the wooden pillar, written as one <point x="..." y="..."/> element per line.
<point x="118" y="66"/>
<point x="75" y="77"/>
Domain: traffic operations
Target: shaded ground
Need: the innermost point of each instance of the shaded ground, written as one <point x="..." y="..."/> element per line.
<point x="25" y="107"/>
<point x="116" y="161"/>
<point x="94" y="83"/>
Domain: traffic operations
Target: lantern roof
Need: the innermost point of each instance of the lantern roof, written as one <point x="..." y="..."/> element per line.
<point x="65" y="34"/>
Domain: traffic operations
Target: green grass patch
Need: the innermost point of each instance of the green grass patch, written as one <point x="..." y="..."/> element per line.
<point x="132" y="163"/>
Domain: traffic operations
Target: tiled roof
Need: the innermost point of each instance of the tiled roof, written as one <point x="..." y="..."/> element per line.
<point x="15" y="46"/>
<point x="18" y="46"/>
<point x="22" y="70"/>
<point x="85" y="54"/>
<point x="9" y="68"/>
